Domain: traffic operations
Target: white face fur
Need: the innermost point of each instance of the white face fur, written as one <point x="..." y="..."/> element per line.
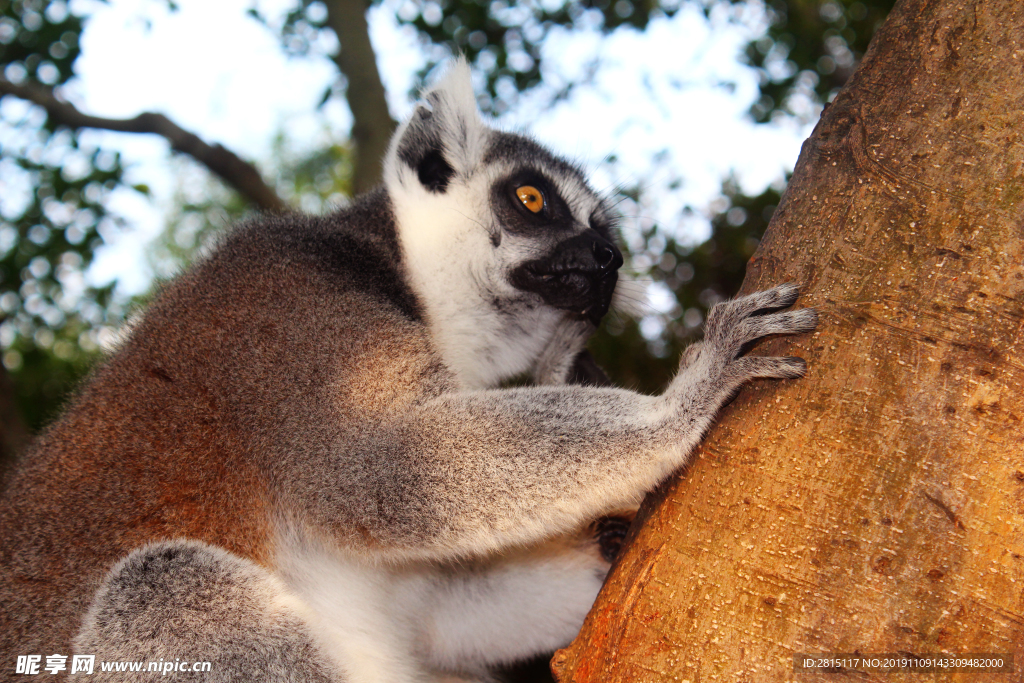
<point x="452" y="181"/>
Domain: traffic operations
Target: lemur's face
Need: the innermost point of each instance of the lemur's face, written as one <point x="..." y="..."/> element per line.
<point x="556" y="231"/>
<point x="503" y="241"/>
<point x="523" y="220"/>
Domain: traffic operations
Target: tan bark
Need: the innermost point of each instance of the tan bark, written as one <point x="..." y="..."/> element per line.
<point x="878" y="504"/>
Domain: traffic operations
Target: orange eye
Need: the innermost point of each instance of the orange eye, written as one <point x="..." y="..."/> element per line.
<point x="531" y="197"/>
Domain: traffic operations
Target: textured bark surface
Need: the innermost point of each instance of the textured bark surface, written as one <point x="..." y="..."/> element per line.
<point x="878" y="504"/>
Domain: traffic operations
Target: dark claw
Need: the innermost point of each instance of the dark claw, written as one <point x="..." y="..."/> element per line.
<point x="610" y="533"/>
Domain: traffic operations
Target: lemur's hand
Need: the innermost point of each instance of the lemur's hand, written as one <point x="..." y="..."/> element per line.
<point x="731" y="326"/>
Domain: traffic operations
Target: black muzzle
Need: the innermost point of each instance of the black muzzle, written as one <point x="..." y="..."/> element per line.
<point x="579" y="275"/>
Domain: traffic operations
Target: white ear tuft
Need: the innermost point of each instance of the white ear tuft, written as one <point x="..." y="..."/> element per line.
<point x="445" y="137"/>
<point x="455" y="89"/>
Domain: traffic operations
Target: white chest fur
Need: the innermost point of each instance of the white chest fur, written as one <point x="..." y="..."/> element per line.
<point x="420" y="621"/>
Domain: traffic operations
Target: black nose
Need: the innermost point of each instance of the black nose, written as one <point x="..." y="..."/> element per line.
<point x="587" y="254"/>
<point x="606" y="255"/>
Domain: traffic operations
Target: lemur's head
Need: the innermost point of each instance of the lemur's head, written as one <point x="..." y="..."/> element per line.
<point x="500" y="235"/>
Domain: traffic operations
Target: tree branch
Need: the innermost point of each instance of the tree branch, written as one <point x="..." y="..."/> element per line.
<point x="372" y="123"/>
<point x="236" y="172"/>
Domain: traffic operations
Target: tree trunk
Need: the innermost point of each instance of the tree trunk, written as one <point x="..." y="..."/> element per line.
<point x="372" y="124"/>
<point x="877" y="505"/>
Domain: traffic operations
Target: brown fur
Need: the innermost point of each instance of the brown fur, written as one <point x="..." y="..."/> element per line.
<point x="174" y="436"/>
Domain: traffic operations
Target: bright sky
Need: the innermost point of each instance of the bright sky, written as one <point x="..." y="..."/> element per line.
<point x="222" y="75"/>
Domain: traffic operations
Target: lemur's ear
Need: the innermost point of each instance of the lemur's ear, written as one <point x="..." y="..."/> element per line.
<point x="443" y="138"/>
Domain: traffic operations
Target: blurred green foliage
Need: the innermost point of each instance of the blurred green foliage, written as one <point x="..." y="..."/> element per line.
<point x="53" y="215"/>
<point x="810" y="50"/>
<point x="501" y="39"/>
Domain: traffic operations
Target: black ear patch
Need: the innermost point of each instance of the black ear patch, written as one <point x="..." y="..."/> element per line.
<point x="434" y="172"/>
<point x="421" y="145"/>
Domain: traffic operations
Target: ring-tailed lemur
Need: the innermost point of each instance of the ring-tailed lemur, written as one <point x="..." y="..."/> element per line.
<point x="298" y="465"/>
